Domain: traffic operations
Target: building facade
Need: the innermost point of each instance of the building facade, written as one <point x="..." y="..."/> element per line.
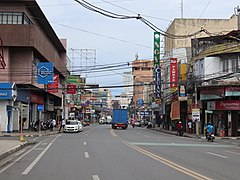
<point x="28" y="39"/>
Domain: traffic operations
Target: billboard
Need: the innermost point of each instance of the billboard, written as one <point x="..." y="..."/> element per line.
<point x="45" y="73"/>
<point x="173" y="74"/>
<point x="53" y="88"/>
<point x="71" y="89"/>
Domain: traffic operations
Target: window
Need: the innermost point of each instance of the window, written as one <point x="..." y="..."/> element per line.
<point x="14" y="18"/>
<point x="225" y="66"/>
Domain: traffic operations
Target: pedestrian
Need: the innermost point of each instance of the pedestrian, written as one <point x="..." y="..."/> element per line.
<point x="190" y="127"/>
<point x="179" y="128"/>
<point x="54" y="123"/>
<point x="62" y="125"/>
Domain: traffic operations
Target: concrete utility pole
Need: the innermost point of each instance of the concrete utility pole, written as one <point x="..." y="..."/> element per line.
<point x="237" y="13"/>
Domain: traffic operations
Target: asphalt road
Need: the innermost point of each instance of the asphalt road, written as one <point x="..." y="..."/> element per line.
<point x="100" y="153"/>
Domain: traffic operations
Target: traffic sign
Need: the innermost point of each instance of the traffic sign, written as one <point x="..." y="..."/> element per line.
<point x="40" y="107"/>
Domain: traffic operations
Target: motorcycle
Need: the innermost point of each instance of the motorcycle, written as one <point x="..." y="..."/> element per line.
<point x="210" y="137"/>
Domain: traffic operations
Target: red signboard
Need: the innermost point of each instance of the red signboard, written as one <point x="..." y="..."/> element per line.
<point x="227" y="105"/>
<point x="37" y="98"/>
<point x="173" y="73"/>
<point x="71" y="89"/>
<point x="175" y="110"/>
<point x="53" y="88"/>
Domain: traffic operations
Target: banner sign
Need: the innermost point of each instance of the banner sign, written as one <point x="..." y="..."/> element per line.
<point x="76" y="79"/>
<point x="157" y="82"/>
<point x="173" y="74"/>
<point x="53" y="88"/>
<point x="156" y="54"/>
<point x="71" y="89"/>
<point x="45" y="73"/>
<point x="232" y="91"/>
<point x="227" y="105"/>
<point x="175" y="110"/>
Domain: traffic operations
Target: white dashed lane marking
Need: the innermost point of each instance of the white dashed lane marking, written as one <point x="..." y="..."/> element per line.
<point x="86" y="154"/>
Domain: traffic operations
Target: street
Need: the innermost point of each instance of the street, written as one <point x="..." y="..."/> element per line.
<point x="101" y="153"/>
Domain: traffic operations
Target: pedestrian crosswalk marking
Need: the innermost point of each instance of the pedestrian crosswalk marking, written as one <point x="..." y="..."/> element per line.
<point x="178" y="145"/>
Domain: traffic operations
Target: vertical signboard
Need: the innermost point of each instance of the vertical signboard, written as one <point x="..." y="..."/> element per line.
<point x="173" y="74"/>
<point x="156" y="52"/>
<point x="156" y="63"/>
<point x="45" y="73"/>
<point x="53" y="88"/>
<point x="158" y="82"/>
<point x="71" y="89"/>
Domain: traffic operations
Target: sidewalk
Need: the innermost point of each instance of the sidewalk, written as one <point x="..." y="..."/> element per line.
<point x="192" y="135"/>
<point x="8" y="147"/>
<point x="28" y="133"/>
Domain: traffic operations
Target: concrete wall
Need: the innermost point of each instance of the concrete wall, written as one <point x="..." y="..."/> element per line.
<point x="189" y="26"/>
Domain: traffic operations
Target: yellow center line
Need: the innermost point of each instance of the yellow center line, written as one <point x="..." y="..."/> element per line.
<point x="168" y="163"/>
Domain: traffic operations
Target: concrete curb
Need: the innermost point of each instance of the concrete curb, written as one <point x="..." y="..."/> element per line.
<point x="13" y="150"/>
<point x="29" y="135"/>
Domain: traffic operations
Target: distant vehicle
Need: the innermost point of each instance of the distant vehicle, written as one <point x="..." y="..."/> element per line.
<point x="73" y="126"/>
<point x="137" y="123"/>
<point x="120" y="118"/>
<point x="102" y="120"/>
<point x="86" y="122"/>
<point x="109" y="120"/>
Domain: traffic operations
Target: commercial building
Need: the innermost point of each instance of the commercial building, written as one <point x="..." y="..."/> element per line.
<point x="178" y="46"/>
<point x="28" y="39"/>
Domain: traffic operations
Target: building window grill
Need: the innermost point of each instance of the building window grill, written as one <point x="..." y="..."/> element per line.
<point x="14" y="18"/>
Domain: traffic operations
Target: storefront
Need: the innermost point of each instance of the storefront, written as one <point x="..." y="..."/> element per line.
<point x="225" y="116"/>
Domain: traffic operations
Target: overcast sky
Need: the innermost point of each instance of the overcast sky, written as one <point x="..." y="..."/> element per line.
<point x="118" y="41"/>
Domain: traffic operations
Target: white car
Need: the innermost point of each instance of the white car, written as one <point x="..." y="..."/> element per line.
<point x="73" y="126"/>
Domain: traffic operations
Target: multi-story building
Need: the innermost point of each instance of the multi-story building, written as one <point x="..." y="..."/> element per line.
<point x="142" y="71"/>
<point x="180" y="48"/>
<point x="28" y="39"/>
<point x="215" y="74"/>
<point x="123" y="100"/>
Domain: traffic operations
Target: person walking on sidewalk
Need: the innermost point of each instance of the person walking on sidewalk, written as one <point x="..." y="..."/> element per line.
<point x="179" y="129"/>
<point x="62" y="125"/>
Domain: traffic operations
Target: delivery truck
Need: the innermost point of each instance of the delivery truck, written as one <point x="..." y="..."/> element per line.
<point x="120" y="118"/>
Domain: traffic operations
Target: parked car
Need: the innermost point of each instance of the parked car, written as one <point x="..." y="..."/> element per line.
<point x="72" y="126"/>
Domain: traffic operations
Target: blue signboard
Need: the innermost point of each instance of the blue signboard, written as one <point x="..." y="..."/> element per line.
<point x="45" y="73"/>
<point x="5" y="90"/>
<point x="40" y="107"/>
<point x="140" y="102"/>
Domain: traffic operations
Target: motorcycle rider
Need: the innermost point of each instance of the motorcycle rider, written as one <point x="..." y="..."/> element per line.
<point x="133" y="123"/>
<point x="209" y="129"/>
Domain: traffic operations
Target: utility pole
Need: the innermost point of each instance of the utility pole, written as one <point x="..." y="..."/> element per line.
<point x="237" y="13"/>
<point x="182" y="9"/>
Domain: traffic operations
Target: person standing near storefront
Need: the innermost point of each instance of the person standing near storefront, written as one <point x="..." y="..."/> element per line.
<point x="190" y="127"/>
<point x="62" y="125"/>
